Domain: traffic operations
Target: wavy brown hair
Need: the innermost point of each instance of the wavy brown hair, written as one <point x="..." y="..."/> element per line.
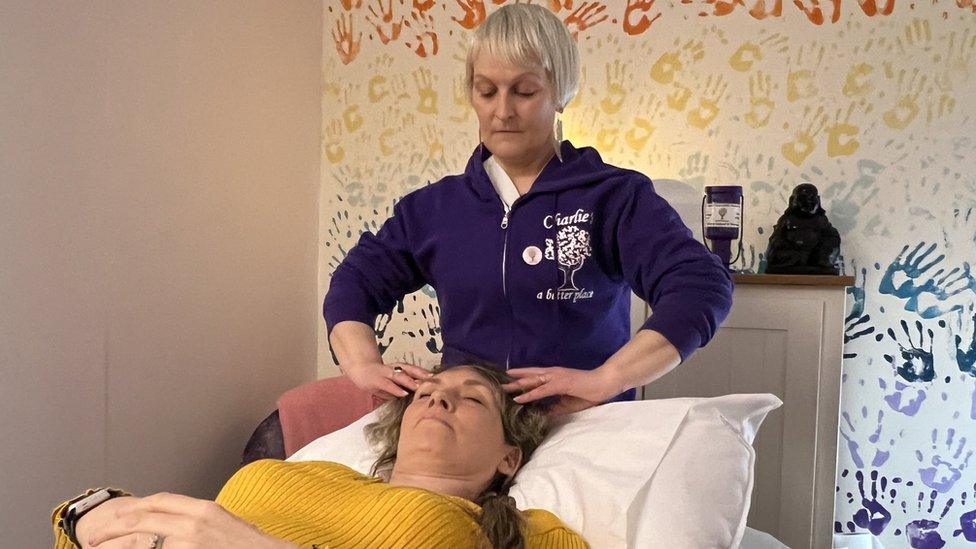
<point x="523" y="425"/>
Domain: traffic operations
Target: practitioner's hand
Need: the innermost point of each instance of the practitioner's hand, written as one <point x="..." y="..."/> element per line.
<point x="386" y="381"/>
<point x="104" y="514"/>
<point x="182" y="523"/>
<point x="576" y="389"/>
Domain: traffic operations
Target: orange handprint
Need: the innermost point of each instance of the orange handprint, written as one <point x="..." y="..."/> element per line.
<point x="588" y="15"/>
<point x="474" y="13"/>
<point x="420" y="6"/>
<point x="382" y="20"/>
<point x="348" y="5"/>
<point x="556" y="5"/>
<point x="634" y="8"/>
<point x="815" y="14"/>
<point x="427" y="42"/>
<point x="342" y="35"/>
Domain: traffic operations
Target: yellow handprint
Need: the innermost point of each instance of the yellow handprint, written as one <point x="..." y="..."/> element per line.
<point x="427" y="96"/>
<point x="332" y="142"/>
<point x="842" y="135"/>
<point x="434" y="141"/>
<point x="678" y="98"/>
<point x="637" y="137"/>
<point x="905" y="108"/>
<point x="672" y="62"/>
<point x="799" y="82"/>
<point x="750" y="52"/>
<point x="350" y="115"/>
<point x="799" y="148"/>
<point x="461" y="101"/>
<point x="376" y="88"/>
<point x="707" y="109"/>
<point x="856" y="84"/>
<point x="616" y="92"/>
<point x="761" y="106"/>
<point x="606" y="138"/>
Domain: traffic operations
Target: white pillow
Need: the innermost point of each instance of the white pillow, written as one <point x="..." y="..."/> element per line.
<point x="596" y="469"/>
<point x="704" y="483"/>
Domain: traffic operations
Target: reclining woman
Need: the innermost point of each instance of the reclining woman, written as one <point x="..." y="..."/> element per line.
<point x="447" y="453"/>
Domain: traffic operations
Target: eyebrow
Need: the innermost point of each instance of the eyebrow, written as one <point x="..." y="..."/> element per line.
<point x="477" y="382"/>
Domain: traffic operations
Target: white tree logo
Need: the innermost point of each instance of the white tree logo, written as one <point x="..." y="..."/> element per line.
<point x="573" y="247"/>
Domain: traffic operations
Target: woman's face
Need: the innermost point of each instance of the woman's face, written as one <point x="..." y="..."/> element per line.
<point x="454" y="422"/>
<point x="515" y="107"/>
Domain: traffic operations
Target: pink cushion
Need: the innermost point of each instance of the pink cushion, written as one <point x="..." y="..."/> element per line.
<point x="319" y="408"/>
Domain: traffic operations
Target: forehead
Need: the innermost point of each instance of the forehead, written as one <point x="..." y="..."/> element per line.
<point x="460" y="376"/>
<point x="488" y="67"/>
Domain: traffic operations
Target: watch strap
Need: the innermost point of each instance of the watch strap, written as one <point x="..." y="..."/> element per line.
<point x="68" y="518"/>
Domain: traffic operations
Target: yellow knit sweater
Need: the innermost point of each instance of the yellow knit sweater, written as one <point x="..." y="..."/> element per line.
<point x="333" y="506"/>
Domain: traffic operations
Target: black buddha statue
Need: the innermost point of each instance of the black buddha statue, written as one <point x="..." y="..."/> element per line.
<point x="803" y="240"/>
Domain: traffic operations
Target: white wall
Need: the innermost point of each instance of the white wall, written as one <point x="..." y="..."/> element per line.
<point x="159" y="175"/>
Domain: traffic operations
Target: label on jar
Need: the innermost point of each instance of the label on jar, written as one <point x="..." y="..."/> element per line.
<point x="723" y="215"/>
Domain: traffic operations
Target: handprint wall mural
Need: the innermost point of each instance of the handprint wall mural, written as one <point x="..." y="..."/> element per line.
<point x="872" y="101"/>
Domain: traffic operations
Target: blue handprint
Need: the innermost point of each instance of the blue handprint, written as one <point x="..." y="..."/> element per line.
<point x="917" y="362"/>
<point x="966" y="348"/>
<point x="947" y="468"/>
<point x="929" y="295"/>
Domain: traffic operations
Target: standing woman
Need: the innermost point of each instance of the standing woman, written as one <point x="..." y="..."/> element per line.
<point x="534" y="250"/>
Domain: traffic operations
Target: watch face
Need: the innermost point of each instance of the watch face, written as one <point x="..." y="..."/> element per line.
<point x="90" y="502"/>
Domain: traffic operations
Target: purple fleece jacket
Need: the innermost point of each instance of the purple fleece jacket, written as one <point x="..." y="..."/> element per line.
<point x="548" y="283"/>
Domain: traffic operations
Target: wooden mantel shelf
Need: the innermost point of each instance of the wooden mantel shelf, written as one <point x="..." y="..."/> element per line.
<point x="793" y="280"/>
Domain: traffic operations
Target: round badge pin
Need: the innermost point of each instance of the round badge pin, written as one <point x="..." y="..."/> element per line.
<point x="532" y="255"/>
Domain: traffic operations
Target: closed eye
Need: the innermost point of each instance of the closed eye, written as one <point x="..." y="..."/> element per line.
<point x="478" y="400"/>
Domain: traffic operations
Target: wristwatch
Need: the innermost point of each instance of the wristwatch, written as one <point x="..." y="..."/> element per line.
<point x="76" y="508"/>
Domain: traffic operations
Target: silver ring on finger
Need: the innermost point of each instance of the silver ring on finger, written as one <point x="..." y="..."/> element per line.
<point x="397" y="370"/>
<point x="157" y="541"/>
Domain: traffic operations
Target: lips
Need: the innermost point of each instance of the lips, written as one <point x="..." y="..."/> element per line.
<point x="437" y="419"/>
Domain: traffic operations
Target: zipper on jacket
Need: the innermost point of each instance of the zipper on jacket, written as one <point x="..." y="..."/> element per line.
<point x="504" y="226"/>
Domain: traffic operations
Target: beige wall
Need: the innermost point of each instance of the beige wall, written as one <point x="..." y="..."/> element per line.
<point x="159" y="175"/>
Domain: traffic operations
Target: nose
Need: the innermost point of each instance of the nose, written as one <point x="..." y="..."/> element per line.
<point x="441" y="399"/>
<point x="504" y="108"/>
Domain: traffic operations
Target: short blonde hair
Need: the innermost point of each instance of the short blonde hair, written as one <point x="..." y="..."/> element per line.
<point x="525" y="34"/>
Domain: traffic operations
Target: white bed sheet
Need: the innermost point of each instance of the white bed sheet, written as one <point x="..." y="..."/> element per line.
<point x="757" y="539"/>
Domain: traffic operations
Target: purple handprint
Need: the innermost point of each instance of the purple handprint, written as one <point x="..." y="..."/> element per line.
<point x="923" y="534"/>
<point x="904" y="399"/>
<point x="872" y="516"/>
<point x="945" y="469"/>
<point x="873" y="441"/>
<point x="917" y="362"/>
<point x="967" y="521"/>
